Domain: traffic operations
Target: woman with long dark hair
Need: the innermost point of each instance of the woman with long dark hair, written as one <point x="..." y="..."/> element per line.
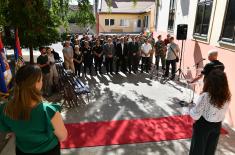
<point x="37" y="125"/>
<point x="209" y="112"/>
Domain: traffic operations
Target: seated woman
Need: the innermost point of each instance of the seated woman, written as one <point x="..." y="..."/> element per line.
<point x="209" y="112"/>
<point x="37" y="125"/>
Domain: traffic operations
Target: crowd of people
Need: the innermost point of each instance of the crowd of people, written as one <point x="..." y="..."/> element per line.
<point x="119" y="53"/>
<point x="38" y="125"/>
<point x="126" y="53"/>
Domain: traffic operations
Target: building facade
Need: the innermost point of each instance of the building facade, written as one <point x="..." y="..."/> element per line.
<point x="211" y="25"/>
<point x="126" y="17"/>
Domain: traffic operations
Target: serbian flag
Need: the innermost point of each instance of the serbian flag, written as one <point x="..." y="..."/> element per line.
<point x="5" y="71"/>
<point x="18" y="53"/>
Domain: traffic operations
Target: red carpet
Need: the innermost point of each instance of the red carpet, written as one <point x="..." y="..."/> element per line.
<point x="128" y="131"/>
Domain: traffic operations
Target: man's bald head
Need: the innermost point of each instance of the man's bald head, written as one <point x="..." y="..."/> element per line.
<point x="212" y="55"/>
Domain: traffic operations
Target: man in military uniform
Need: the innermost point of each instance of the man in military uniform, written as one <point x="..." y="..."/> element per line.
<point x="160" y="52"/>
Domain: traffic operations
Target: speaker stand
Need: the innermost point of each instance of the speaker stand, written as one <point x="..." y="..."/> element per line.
<point x="181" y="73"/>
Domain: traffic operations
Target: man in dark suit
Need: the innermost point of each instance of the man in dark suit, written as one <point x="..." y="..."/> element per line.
<point x="121" y="55"/>
<point x="133" y="49"/>
<point x="109" y="51"/>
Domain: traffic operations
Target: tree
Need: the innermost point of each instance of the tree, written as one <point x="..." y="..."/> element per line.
<point x="3" y="4"/>
<point x="38" y="20"/>
<point x="35" y="21"/>
<point x="85" y="15"/>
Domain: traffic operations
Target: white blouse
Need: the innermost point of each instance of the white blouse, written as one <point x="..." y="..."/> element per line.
<point x="207" y="110"/>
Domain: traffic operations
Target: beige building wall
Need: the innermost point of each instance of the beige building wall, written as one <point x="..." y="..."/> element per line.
<point x="132" y="18"/>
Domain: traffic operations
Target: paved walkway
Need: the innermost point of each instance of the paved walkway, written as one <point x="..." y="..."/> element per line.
<point x="136" y="96"/>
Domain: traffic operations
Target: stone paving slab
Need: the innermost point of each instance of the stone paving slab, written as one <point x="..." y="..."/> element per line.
<point x="128" y="97"/>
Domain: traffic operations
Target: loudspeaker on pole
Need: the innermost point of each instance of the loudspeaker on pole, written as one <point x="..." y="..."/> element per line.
<point x="182" y="30"/>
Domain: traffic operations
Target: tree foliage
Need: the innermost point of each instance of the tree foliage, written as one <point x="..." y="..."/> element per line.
<point x="85" y="14"/>
<point x="36" y="22"/>
<point x="3" y="6"/>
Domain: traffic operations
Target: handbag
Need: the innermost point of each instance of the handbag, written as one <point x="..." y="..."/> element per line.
<point x="177" y="58"/>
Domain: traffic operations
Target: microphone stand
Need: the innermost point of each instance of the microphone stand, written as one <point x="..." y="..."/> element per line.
<point x="197" y="64"/>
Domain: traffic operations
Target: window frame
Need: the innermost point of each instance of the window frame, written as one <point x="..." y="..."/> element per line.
<point x="139" y="23"/>
<point x="223" y="39"/>
<point x="105" y="22"/>
<point x="146" y="21"/>
<point x="109" y="22"/>
<point x="172" y="11"/>
<point x="200" y="35"/>
<point x="125" y="21"/>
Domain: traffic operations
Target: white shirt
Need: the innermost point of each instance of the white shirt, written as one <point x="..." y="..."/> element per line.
<point x="170" y="54"/>
<point x="122" y="47"/>
<point x="204" y="108"/>
<point x="51" y="58"/>
<point x="146" y="48"/>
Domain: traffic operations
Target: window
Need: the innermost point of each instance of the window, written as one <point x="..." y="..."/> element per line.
<point x="124" y="22"/>
<point x="106" y="22"/>
<point x="109" y="22"/>
<point x="171" y="19"/>
<point x="146" y="21"/>
<point x="203" y="16"/>
<point x="139" y="23"/>
<point x="228" y="33"/>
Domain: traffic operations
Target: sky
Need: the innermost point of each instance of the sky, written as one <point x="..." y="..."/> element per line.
<point x="74" y="2"/>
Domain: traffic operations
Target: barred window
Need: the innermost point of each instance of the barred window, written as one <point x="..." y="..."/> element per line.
<point x="171" y="19"/>
<point x="204" y="8"/>
<point x="228" y="32"/>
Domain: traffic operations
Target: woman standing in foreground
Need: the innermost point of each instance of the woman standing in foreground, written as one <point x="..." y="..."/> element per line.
<point x="209" y="112"/>
<point x="37" y="125"/>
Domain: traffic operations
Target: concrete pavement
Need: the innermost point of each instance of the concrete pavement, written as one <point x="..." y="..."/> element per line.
<point x="136" y="96"/>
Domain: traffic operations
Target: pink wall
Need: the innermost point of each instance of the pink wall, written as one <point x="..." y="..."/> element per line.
<point x="195" y="51"/>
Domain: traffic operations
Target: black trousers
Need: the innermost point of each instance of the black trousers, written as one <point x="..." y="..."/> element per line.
<point x="121" y="62"/>
<point x="132" y="63"/>
<point x="77" y="67"/>
<point x="109" y="64"/>
<point x="145" y="65"/>
<point x="98" y="63"/>
<point x="54" y="151"/>
<point x="87" y="64"/>
<point x="173" y="67"/>
<point x="205" y="137"/>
